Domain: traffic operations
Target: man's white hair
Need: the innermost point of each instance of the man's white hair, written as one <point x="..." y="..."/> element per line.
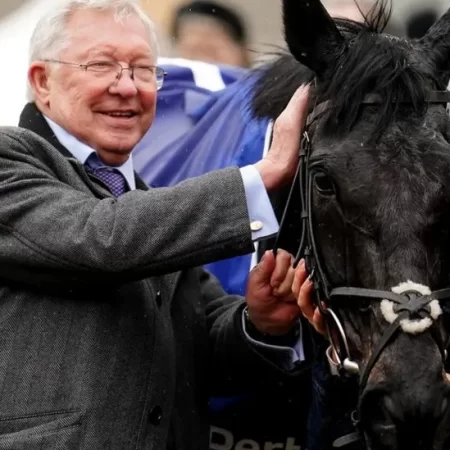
<point x="51" y="37"/>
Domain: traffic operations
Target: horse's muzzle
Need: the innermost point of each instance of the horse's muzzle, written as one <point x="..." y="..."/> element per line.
<point x="399" y="420"/>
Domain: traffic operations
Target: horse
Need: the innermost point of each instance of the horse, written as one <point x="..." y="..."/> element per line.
<point x="369" y="210"/>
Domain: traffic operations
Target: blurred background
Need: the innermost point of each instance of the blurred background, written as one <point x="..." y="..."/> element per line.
<point x="240" y="34"/>
<point x="263" y="17"/>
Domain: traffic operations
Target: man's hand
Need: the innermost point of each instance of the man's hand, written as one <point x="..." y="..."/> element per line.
<point x="278" y="167"/>
<point x="302" y="288"/>
<point x="272" y="307"/>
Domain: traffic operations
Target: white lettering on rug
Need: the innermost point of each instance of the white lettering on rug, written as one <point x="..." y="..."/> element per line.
<point x="221" y="439"/>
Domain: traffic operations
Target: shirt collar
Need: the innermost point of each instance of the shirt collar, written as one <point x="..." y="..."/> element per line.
<point x="87" y="155"/>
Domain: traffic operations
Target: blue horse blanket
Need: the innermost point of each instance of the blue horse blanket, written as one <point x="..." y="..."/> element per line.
<point x="203" y="122"/>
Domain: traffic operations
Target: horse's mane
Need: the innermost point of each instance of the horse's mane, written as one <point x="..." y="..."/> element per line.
<point x="372" y="62"/>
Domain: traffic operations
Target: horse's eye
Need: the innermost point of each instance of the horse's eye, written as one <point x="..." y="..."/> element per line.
<point x="324" y="184"/>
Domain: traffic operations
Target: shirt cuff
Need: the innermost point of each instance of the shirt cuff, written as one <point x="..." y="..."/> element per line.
<point x="285" y="357"/>
<point x="263" y="221"/>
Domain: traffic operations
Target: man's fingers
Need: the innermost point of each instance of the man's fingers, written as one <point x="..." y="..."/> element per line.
<point x="278" y="166"/>
<point x="302" y="288"/>
<point x="285" y="288"/>
<point x="318" y="321"/>
<point x="288" y="127"/>
<point x="293" y="117"/>
<point x="262" y="272"/>
<point x="282" y="264"/>
<point x="297" y="108"/>
<point x="300" y="277"/>
<point x="304" y="299"/>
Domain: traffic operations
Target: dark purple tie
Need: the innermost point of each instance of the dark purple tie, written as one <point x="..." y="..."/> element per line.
<point x="112" y="178"/>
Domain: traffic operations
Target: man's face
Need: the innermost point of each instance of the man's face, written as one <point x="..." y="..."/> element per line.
<point x="110" y="118"/>
<point x="205" y="39"/>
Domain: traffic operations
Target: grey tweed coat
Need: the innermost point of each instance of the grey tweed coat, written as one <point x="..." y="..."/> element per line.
<point x="110" y="337"/>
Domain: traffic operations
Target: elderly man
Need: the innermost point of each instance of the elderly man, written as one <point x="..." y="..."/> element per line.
<point x="112" y="337"/>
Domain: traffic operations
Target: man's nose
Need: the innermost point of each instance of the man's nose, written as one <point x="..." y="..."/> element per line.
<point x="124" y="84"/>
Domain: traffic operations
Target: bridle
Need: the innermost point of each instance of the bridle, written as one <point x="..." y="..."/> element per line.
<point x="407" y="306"/>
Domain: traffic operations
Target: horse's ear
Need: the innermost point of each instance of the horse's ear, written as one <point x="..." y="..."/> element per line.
<point x="436" y="43"/>
<point x="311" y="35"/>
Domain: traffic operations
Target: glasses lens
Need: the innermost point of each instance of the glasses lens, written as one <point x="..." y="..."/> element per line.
<point x="159" y="77"/>
<point x="148" y="78"/>
<point x="102" y="67"/>
<point x="106" y="71"/>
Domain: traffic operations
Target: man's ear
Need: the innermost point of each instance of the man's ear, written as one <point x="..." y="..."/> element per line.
<point x="38" y="77"/>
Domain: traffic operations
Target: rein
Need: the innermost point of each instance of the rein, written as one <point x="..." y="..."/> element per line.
<point x="415" y="305"/>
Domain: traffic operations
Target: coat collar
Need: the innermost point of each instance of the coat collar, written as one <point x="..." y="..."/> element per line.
<point x="32" y="119"/>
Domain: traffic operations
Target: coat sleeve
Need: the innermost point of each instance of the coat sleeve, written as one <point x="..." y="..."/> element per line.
<point x="53" y="230"/>
<point x="235" y="364"/>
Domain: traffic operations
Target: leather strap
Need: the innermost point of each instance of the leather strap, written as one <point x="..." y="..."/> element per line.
<point x="433" y="97"/>
<point x="387" y="336"/>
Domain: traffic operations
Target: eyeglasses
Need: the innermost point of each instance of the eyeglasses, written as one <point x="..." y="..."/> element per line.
<point x="110" y="72"/>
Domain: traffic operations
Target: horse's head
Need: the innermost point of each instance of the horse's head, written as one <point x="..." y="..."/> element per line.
<point x="379" y="172"/>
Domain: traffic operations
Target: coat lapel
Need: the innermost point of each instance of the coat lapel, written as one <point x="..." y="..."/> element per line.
<point x="32" y="119"/>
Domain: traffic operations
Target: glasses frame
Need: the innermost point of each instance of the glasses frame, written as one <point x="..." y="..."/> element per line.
<point x="120" y="68"/>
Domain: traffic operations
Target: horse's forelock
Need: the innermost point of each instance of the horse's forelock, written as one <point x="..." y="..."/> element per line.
<point x="370" y="63"/>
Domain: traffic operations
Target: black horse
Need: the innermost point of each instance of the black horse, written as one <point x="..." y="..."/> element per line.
<point x="370" y="209"/>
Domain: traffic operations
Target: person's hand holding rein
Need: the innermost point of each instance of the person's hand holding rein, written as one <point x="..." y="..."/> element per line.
<point x="272" y="306"/>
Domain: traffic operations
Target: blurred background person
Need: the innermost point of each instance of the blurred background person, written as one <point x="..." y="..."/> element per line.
<point x="210" y="32"/>
<point x="261" y="19"/>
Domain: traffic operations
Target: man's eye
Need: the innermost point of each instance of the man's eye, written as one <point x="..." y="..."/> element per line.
<point x="145" y="67"/>
<point x="101" y="65"/>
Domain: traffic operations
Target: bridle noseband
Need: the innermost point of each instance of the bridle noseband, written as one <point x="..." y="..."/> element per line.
<point x="401" y="307"/>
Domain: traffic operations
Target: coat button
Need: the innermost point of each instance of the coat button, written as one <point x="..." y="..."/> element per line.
<point x="155" y="415"/>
